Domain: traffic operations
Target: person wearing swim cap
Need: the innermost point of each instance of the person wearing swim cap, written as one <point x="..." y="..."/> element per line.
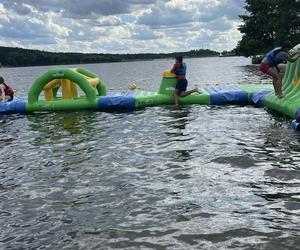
<point x="179" y="68"/>
<point x="269" y="65"/>
<point x="6" y="92"/>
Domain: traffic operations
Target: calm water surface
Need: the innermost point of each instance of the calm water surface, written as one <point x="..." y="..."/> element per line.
<point x="197" y="177"/>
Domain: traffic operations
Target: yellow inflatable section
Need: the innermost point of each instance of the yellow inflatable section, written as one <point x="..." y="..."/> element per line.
<point x="68" y="88"/>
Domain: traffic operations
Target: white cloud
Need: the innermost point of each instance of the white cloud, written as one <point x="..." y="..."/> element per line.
<point x="108" y="21"/>
<point x="131" y="26"/>
<point x="166" y="15"/>
<point x="143" y="33"/>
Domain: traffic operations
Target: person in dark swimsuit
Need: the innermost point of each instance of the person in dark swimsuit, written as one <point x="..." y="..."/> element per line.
<point x="179" y="68"/>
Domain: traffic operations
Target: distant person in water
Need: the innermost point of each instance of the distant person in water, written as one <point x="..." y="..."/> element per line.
<point x="6" y="92"/>
<point x="269" y="65"/>
<point x="179" y="69"/>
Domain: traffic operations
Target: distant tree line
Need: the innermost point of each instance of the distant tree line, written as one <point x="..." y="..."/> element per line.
<point x="267" y="24"/>
<point x="16" y="57"/>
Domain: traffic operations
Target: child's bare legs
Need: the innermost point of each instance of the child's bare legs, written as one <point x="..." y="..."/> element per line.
<point x="277" y="82"/>
<point x="185" y="93"/>
<point x="176" y="97"/>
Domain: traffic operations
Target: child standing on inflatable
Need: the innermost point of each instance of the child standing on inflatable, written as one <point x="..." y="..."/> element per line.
<point x="271" y="61"/>
<point x="179" y="69"/>
<point x="6" y="92"/>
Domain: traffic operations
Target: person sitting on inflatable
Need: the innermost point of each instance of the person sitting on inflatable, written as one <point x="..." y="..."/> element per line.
<point x="179" y="69"/>
<point x="6" y="92"/>
<point x="271" y="61"/>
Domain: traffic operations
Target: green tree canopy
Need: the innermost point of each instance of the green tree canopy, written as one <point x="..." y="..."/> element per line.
<point x="267" y="24"/>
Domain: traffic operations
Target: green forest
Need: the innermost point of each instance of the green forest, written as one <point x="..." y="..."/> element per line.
<point x="15" y="57"/>
<point x="267" y="24"/>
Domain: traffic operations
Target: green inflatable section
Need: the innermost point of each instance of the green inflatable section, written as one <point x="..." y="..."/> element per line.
<point x="80" y="77"/>
<point x="289" y="104"/>
<point x="60" y="93"/>
<point x="167" y="86"/>
<point x="165" y="94"/>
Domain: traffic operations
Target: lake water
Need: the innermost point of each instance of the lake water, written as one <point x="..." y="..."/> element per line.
<point x="197" y="177"/>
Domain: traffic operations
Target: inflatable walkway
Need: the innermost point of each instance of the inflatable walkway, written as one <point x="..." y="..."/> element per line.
<point x="79" y="89"/>
<point x="58" y="90"/>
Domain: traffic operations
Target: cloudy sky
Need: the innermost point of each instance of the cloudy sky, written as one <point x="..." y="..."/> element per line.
<point x="120" y="26"/>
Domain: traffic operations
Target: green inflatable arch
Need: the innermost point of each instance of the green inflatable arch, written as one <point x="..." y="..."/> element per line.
<point x="77" y="76"/>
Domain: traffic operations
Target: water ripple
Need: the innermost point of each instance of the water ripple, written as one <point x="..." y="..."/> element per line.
<point x="197" y="177"/>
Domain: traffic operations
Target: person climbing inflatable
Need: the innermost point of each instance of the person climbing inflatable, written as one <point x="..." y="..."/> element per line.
<point x="271" y="61"/>
<point x="179" y="68"/>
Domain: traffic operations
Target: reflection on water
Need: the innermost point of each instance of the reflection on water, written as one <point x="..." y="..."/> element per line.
<point x="196" y="177"/>
<point x="176" y="120"/>
<point x="60" y="125"/>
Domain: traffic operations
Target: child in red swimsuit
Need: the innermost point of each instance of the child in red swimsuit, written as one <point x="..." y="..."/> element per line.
<point x="6" y="92"/>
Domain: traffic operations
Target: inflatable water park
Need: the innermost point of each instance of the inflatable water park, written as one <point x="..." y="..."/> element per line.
<point x="74" y="89"/>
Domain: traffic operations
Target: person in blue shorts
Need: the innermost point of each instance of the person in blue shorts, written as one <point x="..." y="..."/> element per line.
<point x="179" y="68"/>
